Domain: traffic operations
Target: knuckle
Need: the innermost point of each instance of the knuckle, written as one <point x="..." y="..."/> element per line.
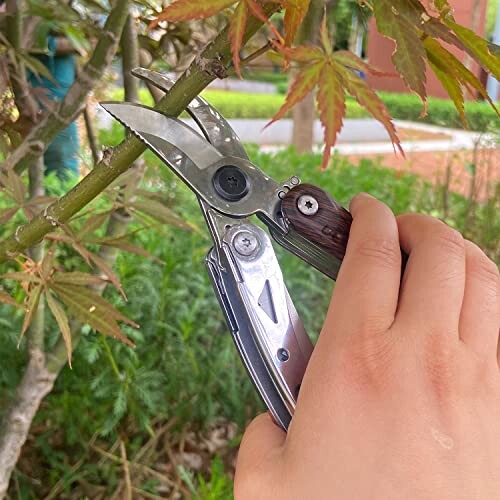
<point x="451" y="241"/>
<point x="385" y="252"/>
<point x="486" y="273"/>
<point x="367" y="362"/>
<point x="440" y="363"/>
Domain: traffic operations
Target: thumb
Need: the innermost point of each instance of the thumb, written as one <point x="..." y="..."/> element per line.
<point x="261" y="438"/>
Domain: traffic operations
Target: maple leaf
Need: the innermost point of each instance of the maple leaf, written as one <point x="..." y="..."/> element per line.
<point x="31" y="308"/>
<point x="477" y="47"/>
<point x="89" y="307"/>
<point x="398" y="20"/>
<point x="184" y="10"/>
<point x="331" y="105"/>
<point x="62" y="321"/>
<point x="453" y="75"/>
<point x="7" y="299"/>
<point x="236" y="31"/>
<point x="295" y="11"/>
<point x="333" y="73"/>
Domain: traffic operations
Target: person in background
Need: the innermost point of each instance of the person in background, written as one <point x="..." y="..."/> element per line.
<point x="61" y="157"/>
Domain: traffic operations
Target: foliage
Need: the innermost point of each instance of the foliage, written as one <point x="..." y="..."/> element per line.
<point x="184" y="367"/>
<point x="480" y="115"/>
<point x="418" y="35"/>
<point x="333" y="74"/>
<point x="244" y="104"/>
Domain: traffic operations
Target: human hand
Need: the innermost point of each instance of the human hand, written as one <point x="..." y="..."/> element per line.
<point x="401" y="397"/>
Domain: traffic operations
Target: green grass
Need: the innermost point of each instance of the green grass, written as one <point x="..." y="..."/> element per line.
<point x="185" y="369"/>
<point x="243" y="104"/>
<point x="480" y="115"/>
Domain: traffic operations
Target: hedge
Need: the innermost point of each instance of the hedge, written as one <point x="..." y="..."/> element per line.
<point x="480" y="115"/>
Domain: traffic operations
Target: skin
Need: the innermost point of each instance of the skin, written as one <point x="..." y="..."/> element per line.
<point x="401" y="398"/>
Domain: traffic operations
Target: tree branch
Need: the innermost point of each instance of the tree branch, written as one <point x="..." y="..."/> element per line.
<point x="89" y="128"/>
<point x="129" y="45"/>
<point x="25" y="102"/>
<point x="197" y="76"/>
<point x="71" y="105"/>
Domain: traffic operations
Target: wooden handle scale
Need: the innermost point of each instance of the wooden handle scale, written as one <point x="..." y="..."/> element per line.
<point x="317" y="217"/>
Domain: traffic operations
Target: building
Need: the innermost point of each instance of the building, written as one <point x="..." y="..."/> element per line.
<point x="469" y="13"/>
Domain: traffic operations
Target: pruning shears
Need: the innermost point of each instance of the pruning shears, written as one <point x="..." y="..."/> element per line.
<point x="245" y="274"/>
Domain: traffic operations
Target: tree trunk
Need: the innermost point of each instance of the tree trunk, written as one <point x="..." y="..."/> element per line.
<point x="36" y="383"/>
<point x="304" y="113"/>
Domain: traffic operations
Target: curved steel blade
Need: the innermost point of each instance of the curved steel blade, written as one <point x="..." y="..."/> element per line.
<point x="214" y="126"/>
<point x="156" y="130"/>
<point x="195" y="161"/>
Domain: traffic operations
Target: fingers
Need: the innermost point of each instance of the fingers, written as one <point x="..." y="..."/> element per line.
<point x="480" y="316"/>
<point x="261" y="439"/>
<point x="433" y="284"/>
<point x="366" y="293"/>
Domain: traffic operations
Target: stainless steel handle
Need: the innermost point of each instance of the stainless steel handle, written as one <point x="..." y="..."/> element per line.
<point x="265" y="326"/>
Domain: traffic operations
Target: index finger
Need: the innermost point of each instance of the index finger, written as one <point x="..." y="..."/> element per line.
<point x="366" y="293"/>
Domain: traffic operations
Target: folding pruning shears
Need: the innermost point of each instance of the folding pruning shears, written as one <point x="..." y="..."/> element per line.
<point x="242" y="265"/>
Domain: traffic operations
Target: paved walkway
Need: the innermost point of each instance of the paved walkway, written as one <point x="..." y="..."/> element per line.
<point x="362" y="138"/>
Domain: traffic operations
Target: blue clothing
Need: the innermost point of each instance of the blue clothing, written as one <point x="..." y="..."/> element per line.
<point x="61" y="156"/>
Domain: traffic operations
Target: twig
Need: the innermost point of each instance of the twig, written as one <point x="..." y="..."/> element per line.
<point x="126" y="471"/>
<point x="60" y="484"/>
<point x="256" y="54"/>
<point x="142" y="467"/>
<point x="152" y="441"/>
<point x="146" y="494"/>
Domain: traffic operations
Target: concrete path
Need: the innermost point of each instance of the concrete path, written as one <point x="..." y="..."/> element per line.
<point x="358" y="136"/>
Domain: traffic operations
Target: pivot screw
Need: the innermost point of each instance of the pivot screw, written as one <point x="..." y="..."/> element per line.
<point x="283" y="355"/>
<point x="245" y="243"/>
<point x="307" y="204"/>
<point x="231" y="183"/>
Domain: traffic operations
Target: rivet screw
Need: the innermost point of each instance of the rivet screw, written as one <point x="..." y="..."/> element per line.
<point x="307" y="204"/>
<point x="245" y="243"/>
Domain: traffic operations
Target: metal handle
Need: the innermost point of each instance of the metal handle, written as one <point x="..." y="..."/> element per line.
<point x="265" y="326"/>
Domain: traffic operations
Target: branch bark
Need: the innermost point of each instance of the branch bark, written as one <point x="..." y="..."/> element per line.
<point x="25" y="102"/>
<point x="202" y="71"/>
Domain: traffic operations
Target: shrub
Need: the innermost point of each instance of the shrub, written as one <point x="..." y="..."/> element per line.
<point x="480" y="115"/>
<point x="184" y="366"/>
